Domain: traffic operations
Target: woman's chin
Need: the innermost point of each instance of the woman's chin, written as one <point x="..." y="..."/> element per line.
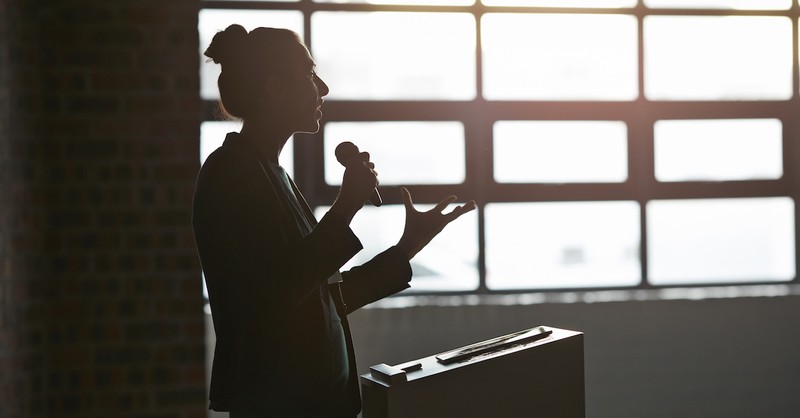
<point x="310" y="129"/>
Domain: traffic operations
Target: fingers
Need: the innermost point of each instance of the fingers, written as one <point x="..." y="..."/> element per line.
<point x="406" y="195"/>
<point x="444" y="203"/>
<point x="460" y="210"/>
<point x="438" y="208"/>
<point x="360" y="178"/>
<point x="441" y="206"/>
<point x="364" y="157"/>
<point x="361" y="157"/>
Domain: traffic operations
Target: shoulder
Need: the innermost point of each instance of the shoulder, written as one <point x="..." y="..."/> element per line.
<point x="232" y="158"/>
<point x="233" y="183"/>
<point x="231" y="173"/>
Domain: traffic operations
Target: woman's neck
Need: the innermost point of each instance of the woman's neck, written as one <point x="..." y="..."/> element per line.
<point x="266" y="138"/>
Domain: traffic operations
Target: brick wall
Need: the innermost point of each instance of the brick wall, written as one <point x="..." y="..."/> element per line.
<point x="18" y="214"/>
<point x="101" y="310"/>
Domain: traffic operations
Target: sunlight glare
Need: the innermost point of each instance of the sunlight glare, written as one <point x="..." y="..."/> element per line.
<point x="718" y="57"/>
<point x="720" y="240"/>
<point x="562" y="3"/>
<point x="560" y="151"/>
<point x="403" y="2"/>
<point x="551" y="245"/>
<point x="718" y="150"/>
<point x="395" y="55"/>
<point x="559" y="57"/>
<point x="720" y="4"/>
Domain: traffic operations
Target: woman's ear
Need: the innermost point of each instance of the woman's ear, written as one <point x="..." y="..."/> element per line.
<point x="275" y="86"/>
<point x="273" y="94"/>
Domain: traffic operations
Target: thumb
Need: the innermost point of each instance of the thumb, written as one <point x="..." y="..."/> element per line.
<point x="406" y="198"/>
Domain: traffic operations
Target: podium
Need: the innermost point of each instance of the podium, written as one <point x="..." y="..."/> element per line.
<point x="536" y="372"/>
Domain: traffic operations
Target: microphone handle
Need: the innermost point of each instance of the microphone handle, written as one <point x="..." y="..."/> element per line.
<point x="346" y="151"/>
<point x="375" y="198"/>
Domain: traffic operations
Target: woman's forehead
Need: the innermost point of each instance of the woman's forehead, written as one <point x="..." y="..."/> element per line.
<point x="300" y="56"/>
<point x="281" y="46"/>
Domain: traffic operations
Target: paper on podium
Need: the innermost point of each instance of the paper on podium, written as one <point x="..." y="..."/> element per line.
<point x="537" y="372"/>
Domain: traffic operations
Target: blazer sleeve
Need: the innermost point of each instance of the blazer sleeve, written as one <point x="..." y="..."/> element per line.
<point x="386" y="274"/>
<point x="245" y="238"/>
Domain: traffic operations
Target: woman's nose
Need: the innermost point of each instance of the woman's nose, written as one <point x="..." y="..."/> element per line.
<point x="322" y="87"/>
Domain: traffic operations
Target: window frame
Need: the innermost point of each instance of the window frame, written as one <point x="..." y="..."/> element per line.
<point x="478" y="116"/>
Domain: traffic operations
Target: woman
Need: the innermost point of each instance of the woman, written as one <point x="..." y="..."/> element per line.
<point x="278" y="301"/>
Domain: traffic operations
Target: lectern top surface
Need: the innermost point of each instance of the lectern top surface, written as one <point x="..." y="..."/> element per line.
<point x="431" y="365"/>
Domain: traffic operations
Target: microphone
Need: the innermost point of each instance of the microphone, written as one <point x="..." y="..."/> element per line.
<point x="344" y="153"/>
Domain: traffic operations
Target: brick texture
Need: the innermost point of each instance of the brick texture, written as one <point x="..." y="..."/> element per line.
<point x="101" y="307"/>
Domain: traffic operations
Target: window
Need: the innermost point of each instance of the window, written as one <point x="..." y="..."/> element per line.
<point x="610" y="144"/>
<point x="435" y="150"/>
<point x="721" y="240"/>
<point x="560" y="152"/>
<point x="406" y="56"/>
<point x="718" y="57"/>
<point x="548" y="56"/>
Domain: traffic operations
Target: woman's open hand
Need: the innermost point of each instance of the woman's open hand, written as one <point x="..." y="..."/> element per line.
<point x="421" y="227"/>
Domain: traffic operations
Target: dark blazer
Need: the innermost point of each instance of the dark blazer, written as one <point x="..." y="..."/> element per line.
<point x="267" y="273"/>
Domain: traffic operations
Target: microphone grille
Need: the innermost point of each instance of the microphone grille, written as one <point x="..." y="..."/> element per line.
<point x="345" y="151"/>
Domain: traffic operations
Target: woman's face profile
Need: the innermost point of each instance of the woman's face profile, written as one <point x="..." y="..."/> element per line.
<point x="304" y="90"/>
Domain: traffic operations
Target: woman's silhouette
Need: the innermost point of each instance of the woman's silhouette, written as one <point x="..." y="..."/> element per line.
<point x="278" y="301"/>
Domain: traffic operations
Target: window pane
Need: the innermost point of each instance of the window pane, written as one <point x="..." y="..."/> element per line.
<point x="559" y="57"/>
<point x="409" y="2"/>
<point x="448" y="263"/>
<point x="395" y="56"/>
<point x="562" y="245"/>
<point x="721" y="4"/>
<point x="720" y="240"/>
<point x="718" y="58"/>
<point x="403" y="152"/>
<point x="212" y="135"/>
<point x="718" y="150"/>
<point x="560" y="151"/>
<point x="562" y="3"/>
<point x="211" y="21"/>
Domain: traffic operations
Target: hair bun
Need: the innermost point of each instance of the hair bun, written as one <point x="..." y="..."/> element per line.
<point x="228" y="45"/>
